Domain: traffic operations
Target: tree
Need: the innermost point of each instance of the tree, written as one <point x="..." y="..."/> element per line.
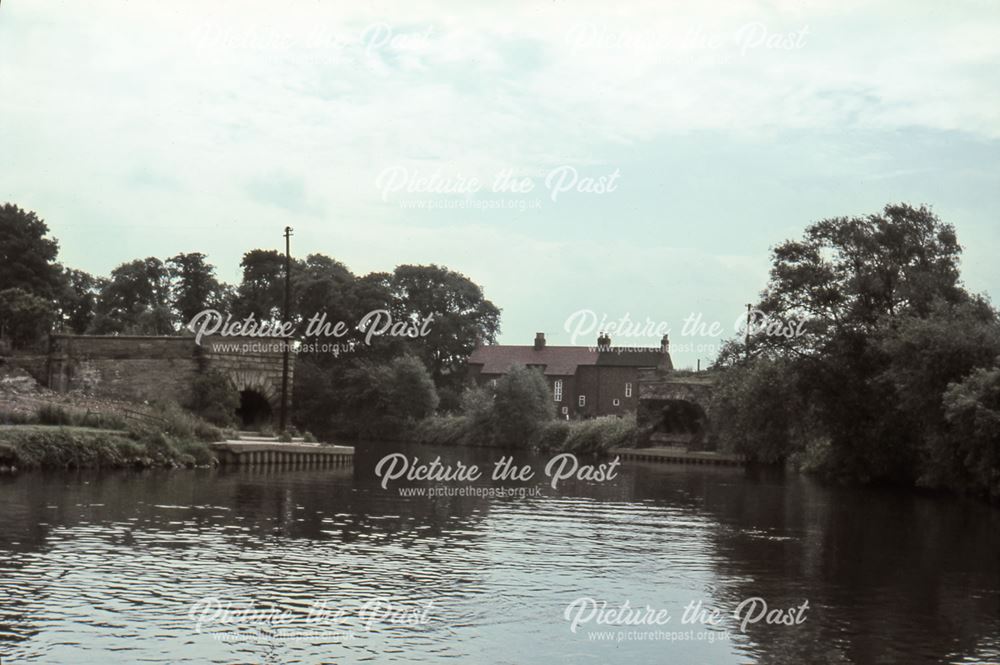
<point x="853" y="276"/>
<point x="136" y="300"/>
<point x="756" y="412"/>
<point x="27" y="254"/>
<point x="968" y="454"/>
<point x="25" y="318"/>
<point x="364" y="399"/>
<point x="521" y="405"/>
<point x="78" y="299"/>
<point x="262" y="290"/>
<point x="886" y="327"/>
<point x="462" y="316"/>
<point x="194" y="287"/>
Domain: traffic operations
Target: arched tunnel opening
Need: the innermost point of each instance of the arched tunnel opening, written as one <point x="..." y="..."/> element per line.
<point x="675" y="421"/>
<point x="254" y="409"/>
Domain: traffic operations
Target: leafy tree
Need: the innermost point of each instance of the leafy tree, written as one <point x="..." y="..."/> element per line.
<point x="756" y="412"/>
<point x="78" y="299"/>
<point x="363" y="399"/>
<point x="461" y="316"/>
<point x="887" y="326"/>
<point x="27" y="254"/>
<point x="968" y="454"/>
<point x="262" y="290"/>
<point x="136" y="300"/>
<point x="521" y="405"/>
<point x="194" y="287"/>
<point x="853" y="276"/>
<point x="25" y="318"/>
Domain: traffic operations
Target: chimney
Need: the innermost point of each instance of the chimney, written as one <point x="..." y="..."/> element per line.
<point x="539" y="341"/>
<point x="666" y="364"/>
<point x="603" y="341"/>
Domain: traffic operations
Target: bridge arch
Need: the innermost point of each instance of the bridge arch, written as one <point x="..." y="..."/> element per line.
<point x="675" y="410"/>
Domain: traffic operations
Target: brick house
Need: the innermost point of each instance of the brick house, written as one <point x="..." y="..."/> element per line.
<point x="584" y="381"/>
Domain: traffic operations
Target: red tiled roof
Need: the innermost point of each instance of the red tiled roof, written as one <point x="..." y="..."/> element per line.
<point x="557" y="360"/>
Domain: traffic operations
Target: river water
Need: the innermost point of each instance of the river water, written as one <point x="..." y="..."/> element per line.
<point x="327" y="566"/>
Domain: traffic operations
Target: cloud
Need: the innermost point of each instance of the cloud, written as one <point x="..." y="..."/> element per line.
<point x="235" y="119"/>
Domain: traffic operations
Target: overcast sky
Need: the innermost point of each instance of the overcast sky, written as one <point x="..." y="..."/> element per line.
<point x="701" y="134"/>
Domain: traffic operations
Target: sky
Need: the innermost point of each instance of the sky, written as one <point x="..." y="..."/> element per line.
<point x="579" y="160"/>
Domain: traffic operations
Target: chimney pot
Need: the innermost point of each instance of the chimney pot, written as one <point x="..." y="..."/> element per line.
<point x="539" y="341"/>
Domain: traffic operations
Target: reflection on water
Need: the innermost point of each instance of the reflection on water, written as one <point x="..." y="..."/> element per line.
<point x="106" y="567"/>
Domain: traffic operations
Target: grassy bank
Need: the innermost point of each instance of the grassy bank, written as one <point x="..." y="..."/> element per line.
<point x="584" y="437"/>
<point x="54" y="446"/>
<point x="56" y="438"/>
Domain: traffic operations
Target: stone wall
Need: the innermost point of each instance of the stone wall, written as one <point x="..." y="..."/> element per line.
<point x="123" y="367"/>
<point x="138" y="368"/>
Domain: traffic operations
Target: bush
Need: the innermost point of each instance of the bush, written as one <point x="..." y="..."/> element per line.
<point x="170" y="419"/>
<point x="56" y="414"/>
<point x="53" y="414"/>
<point x="17" y="418"/>
<point x="589" y="437"/>
<point x="521" y="406"/>
<point x="214" y="398"/>
<point x="443" y="431"/>
<point x="552" y="436"/>
<point x="966" y="456"/>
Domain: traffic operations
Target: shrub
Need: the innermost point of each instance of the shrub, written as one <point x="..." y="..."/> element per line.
<point x="552" y="436"/>
<point x="966" y="456"/>
<point x="521" y="405"/>
<point x="17" y="418"/>
<point x="590" y="437"/>
<point x="442" y="431"/>
<point x="56" y="414"/>
<point x="53" y="414"/>
<point x="170" y="419"/>
<point x="214" y="398"/>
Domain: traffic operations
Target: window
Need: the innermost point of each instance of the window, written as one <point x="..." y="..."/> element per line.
<point x="565" y="410"/>
<point x="628" y="390"/>
<point x="582" y="400"/>
<point x="493" y="383"/>
<point x="557" y="390"/>
<point x="616" y="402"/>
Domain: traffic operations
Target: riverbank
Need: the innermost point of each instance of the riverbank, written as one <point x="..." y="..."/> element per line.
<point x="583" y="437"/>
<point x="68" y="447"/>
<point x="52" y="436"/>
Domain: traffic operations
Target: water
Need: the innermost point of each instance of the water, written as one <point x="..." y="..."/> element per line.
<point x="106" y="567"/>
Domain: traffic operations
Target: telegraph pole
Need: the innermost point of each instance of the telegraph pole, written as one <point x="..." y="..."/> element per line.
<point x="746" y="345"/>
<point x="283" y="418"/>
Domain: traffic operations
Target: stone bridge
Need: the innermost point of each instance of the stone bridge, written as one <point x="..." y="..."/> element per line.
<point x="675" y="409"/>
<point x="146" y="368"/>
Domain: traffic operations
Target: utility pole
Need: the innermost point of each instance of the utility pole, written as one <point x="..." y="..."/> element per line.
<point x="283" y="418"/>
<point x="746" y="349"/>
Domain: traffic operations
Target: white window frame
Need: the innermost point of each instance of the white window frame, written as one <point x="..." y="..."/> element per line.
<point x="616" y="402"/>
<point x="628" y="390"/>
<point x="581" y="401"/>
<point x="557" y="390"/>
